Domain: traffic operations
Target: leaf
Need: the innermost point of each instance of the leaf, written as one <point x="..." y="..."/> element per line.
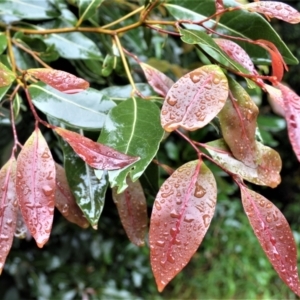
<point x="292" y="115"/>
<point x="275" y="9"/>
<point x="60" y="80"/>
<point x="3" y="91"/>
<point x="219" y="5"/>
<point x="3" y="42"/>
<point x="33" y="10"/>
<point x="274" y="235"/>
<point x="133" y="127"/>
<point x="86" y="110"/>
<point x="238" y="124"/>
<point x="89" y="191"/>
<point x="239" y="23"/>
<point x="6" y="76"/>
<point x="266" y="173"/>
<point x="65" y="201"/>
<point x="158" y="80"/>
<point x="87" y="8"/>
<point x="195" y="99"/>
<point x="275" y="100"/>
<point x="72" y="45"/>
<point x="96" y="155"/>
<point x="8" y="208"/>
<point x="181" y="215"/>
<point x="35" y="185"/>
<point x="21" y="231"/>
<point x="132" y="209"/>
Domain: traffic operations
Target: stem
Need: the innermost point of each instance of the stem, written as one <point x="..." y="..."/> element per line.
<point x="30" y="52"/>
<point x="189" y="141"/>
<point x="10" y="50"/>
<point x="163" y="30"/>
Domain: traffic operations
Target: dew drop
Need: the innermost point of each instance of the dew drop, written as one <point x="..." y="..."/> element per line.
<point x="171" y="101"/>
<point x="199" y="191"/>
<point x="171" y="259"/>
<point x="157" y="205"/>
<point x="45" y="154"/>
<point x="188" y="218"/>
<point x="206" y="220"/>
<point x="47" y="190"/>
<point x="174" y="214"/>
<point x="160" y="243"/>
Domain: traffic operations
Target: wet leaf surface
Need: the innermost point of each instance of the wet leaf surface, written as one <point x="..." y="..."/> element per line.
<point x="96" y="155"/>
<point x="65" y="201"/>
<point x="195" y="99"/>
<point x="238" y="120"/>
<point x="60" y="80"/>
<point x="181" y="215"/>
<point x="274" y="235"/>
<point x="132" y="209"/>
<point x="158" y="80"/>
<point x="6" y="76"/>
<point x="35" y="185"/>
<point x="8" y="208"/>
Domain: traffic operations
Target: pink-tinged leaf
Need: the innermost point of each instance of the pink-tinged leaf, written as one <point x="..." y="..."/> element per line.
<point x="96" y="155"/>
<point x="275" y="9"/>
<point x="292" y="115"/>
<point x="8" y="208"/>
<point x="275" y="100"/>
<point x="237" y="53"/>
<point x="132" y="208"/>
<point x="266" y="173"/>
<point x="195" y="99"/>
<point x="35" y="185"/>
<point x="6" y="76"/>
<point x="160" y="82"/>
<point x="274" y="235"/>
<point x="65" y="201"/>
<point x="60" y="80"/>
<point x="238" y="124"/>
<point x="278" y="64"/>
<point x="181" y="215"/>
<point x="219" y="5"/>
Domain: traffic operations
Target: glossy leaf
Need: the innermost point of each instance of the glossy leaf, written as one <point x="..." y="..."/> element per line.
<point x="181" y="215"/>
<point x="133" y="127"/>
<point x="60" y="80"/>
<point x="65" y="201"/>
<point x="35" y="186"/>
<point x="275" y="9"/>
<point x="158" y="80"/>
<point x="96" y="155"/>
<point x="292" y="115"/>
<point x="266" y="173"/>
<point x="8" y="208"/>
<point x="87" y="8"/>
<point x="195" y="99"/>
<point x="275" y="100"/>
<point x="86" y="110"/>
<point x="72" y="45"/>
<point x="274" y="235"/>
<point x="238" y="124"/>
<point x="3" y="42"/>
<point x="3" y="91"/>
<point x="132" y="209"/>
<point x="89" y="191"/>
<point x="6" y="76"/>
<point x="33" y="10"/>
<point x="240" y="23"/>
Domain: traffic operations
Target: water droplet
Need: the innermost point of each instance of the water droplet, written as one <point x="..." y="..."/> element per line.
<point x="173" y="231"/>
<point x="47" y="190"/>
<point x="272" y="240"/>
<point x="199" y="191"/>
<point x="268" y="218"/>
<point x="157" y="205"/>
<point x="195" y="76"/>
<point x="19" y="175"/>
<point x="206" y="220"/>
<point x="160" y="243"/>
<point x="45" y="154"/>
<point x="174" y="214"/>
<point x="171" y="101"/>
<point x="188" y="218"/>
<point x="171" y="258"/>
<point x="165" y="195"/>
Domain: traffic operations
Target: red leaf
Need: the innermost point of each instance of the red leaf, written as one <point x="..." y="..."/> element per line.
<point x="181" y="215"/>
<point x="65" y="201"/>
<point x="278" y="64"/>
<point x="275" y="9"/>
<point x="132" y="208"/>
<point x="195" y="99"/>
<point x="96" y="155"/>
<point x="238" y="123"/>
<point x="60" y="80"/>
<point x="219" y="5"/>
<point x="274" y="235"/>
<point x="36" y="186"/>
<point x="237" y="53"/>
<point x="275" y="100"/>
<point x="292" y="115"/>
<point x="160" y="82"/>
<point x="8" y="208"/>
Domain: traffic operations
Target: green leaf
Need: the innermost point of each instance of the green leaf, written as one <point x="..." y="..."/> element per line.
<point x="86" y="110"/>
<point x="72" y="45"/>
<point x="3" y="91"/>
<point x="3" y="42"/>
<point x="24" y="9"/>
<point x="133" y="127"/>
<point x="87" y="8"/>
<point x="89" y="191"/>
<point x="6" y="76"/>
<point x="240" y="23"/>
<point x="23" y="60"/>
